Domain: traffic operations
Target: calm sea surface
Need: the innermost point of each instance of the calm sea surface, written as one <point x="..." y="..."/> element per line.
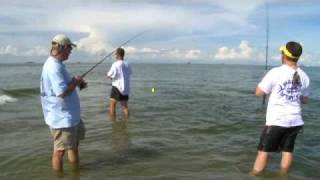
<point x="202" y="122"/>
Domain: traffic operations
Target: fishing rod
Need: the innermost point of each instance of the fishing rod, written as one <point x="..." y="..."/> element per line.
<point x="108" y="55"/>
<point x="267" y="46"/>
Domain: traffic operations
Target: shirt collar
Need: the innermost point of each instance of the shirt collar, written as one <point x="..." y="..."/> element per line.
<point x="290" y="68"/>
<point x="56" y="60"/>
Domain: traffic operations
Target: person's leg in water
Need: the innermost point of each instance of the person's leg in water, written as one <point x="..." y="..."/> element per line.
<point x="125" y="108"/>
<point x="260" y="163"/>
<point x="57" y="162"/>
<point x="73" y="157"/>
<point x="286" y="162"/>
<point x="112" y="109"/>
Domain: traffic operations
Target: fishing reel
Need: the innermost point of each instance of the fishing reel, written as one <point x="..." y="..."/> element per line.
<point x="83" y="85"/>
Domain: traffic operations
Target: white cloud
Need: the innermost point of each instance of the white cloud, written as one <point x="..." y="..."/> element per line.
<point x="131" y="50"/>
<point x="94" y="43"/>
<point x="114" y="21"/>
<point x="309" y="58"/>
<point x="36" y="51"/>
<point x="146" y="50"/>
<point x="276" y="57"/>
<point x="176" y="54"/>
<point x="243" y="52"/>
<point x="14" y="51"/>
<point x="181" y="26"/>
<point x="8" y="50"/>
<point x="149" y="50"/>
<point x="193" y="54"/>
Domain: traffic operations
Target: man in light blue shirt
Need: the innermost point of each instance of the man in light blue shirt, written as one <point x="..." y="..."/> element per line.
<point x="59" y="112"/>
<point x="60" y="103"/>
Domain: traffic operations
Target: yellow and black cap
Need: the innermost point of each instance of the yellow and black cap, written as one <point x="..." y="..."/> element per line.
<point x="292" y="49"/>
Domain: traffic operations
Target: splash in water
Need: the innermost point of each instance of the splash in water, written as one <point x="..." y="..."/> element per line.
<point x="4" y="99"/>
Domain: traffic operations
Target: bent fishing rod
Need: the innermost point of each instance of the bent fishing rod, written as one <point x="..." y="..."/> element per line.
<point x="108" y="55"/>
<point x="267" y="47"/>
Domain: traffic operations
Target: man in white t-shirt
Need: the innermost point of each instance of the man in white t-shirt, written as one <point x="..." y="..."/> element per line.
<point x="119" y="73"/>
<point x="288" y="88"/>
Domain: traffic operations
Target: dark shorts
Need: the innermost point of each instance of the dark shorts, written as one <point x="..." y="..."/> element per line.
<point x="276" y="138"/>
<point x="116" y="95"/>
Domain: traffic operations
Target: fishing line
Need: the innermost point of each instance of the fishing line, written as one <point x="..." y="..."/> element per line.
<point x="108" y="55"/>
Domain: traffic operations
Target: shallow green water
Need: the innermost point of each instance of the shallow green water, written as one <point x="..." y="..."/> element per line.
<point x="202" y="122"/>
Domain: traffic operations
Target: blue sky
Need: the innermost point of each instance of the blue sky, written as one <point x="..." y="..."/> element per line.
<point x="199" y="31"/>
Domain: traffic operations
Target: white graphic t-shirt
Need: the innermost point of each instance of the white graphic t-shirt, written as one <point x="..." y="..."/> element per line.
<point x="284" y="106"/>
<point x="120" y="73"/>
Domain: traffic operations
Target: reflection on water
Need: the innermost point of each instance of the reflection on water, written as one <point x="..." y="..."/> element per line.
<point x="120" y="139"/>
<point x="73" y="175"/>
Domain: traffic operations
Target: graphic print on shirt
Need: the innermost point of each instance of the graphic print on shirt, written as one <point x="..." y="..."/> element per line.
<point x="290" y="90"/>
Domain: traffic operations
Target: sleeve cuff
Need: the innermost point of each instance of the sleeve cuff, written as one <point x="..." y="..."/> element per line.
<point x="60" y="90"/>
<point x="263" y="88"/>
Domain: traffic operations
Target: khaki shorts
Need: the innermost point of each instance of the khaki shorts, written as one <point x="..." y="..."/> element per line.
<point x="68" y="138"/>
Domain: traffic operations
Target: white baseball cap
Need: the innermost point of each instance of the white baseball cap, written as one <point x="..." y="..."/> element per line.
<point x="62" y="40"/>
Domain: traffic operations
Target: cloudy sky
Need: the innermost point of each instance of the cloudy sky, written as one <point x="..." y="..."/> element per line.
<point x="199" y="31"/>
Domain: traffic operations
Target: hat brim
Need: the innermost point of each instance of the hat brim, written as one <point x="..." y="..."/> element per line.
<point x="73" y="45"/>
